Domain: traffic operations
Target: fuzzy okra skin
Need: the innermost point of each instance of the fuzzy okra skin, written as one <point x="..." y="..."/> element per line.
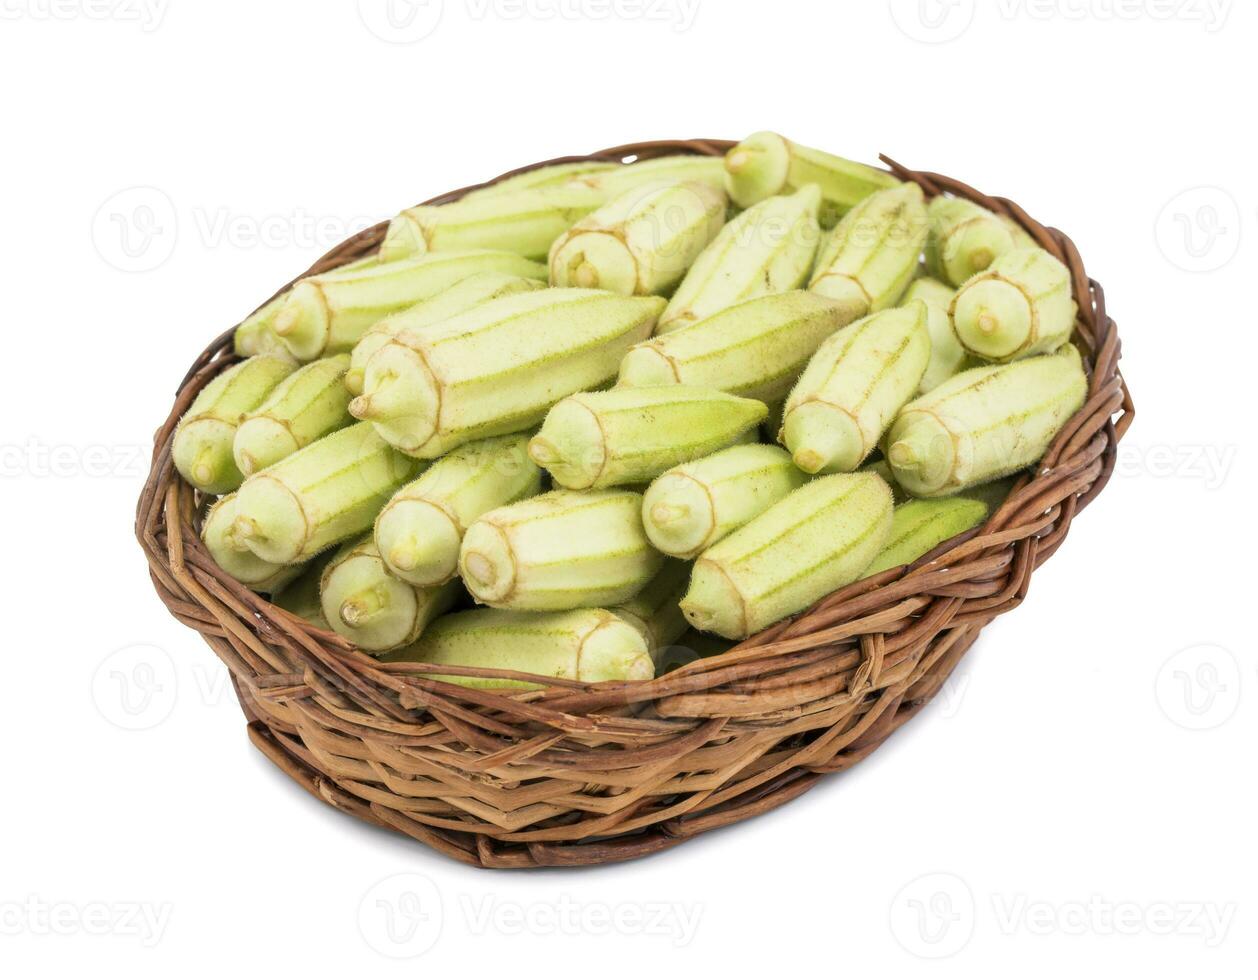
<point x="561" y="550"/>
<point x="642" y="242"/>
<point x="869" y="259"/>
<point x="965" y="238"/>
<point x="984" y="423"/>
<point x="301" y="596"/>
<point x="329" y="313"/>
<point x="238" y="562"/>
<point x="421" y="527"/>
<point x="630" y="435"/>
<point x="319" y="496"/>
<point x="768" y="248"/>
<point x="305" y="406"/>
<point x="655" y="612"/>
<point x="1020" y="306"/>
<point x="581" y="645"/>
<point x="202" y="446"/>
<point x="369" y="607"/>
<point x="689" y="508"/>
<point x="525" y="222"/>
<point x="918" y="526"/>
<point x="459" y="298"/>
<point x="853" y="387"/>
<point x="765" y="164"/>
<point x="815" y="540"/>
<point x="498" y="367"/>
<point x="616" y="181"/>
<point x="554" y="175"/>
<point x="756" y="349"/>
<point x="947" y="356"/>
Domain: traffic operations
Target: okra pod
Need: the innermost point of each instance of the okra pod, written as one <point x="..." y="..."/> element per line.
<point x="765" y="164"/>
<point x="692" y="506"/>
<point x="555" y="175"/>
<point x="985" y="423"/>
<point x="498" y="367"/>
<point x="947" y="356"/>
<point x="768" y="248"/>
<point x="853" y="387"/>
<point x="421" y="527"/>
<point x="459" y="298"/>
<point x="202" y="446"/>
<point x="640" y="243"/>
<point x="581" y="645"/>
<point x="305" y="406"/>
<point x="561" y="550"/>
<point x="919" y="526"/>
<point x="815" y="540"/>
<point x="329" y="313"/>
<point x="965" y="238"/>
<point x="616" y="181"/>
<point x="630" y="435"/>
<point x="301" y="596"/>
<point x="238" y="562"/>
<point x="369" y="607"/>
<point x="756" y="349"/>
<point x="655" y="612"/>
<point x="524" y="222"/>
<point x="319" y="496"/>
<point x="1021" y="306"/>
<point x="869" y="259"/>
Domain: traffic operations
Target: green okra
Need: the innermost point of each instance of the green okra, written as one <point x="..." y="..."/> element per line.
<point x="459" y="298"/>
<point x="689" y="508"/>
<point x="305" y="406"/>
<point x="852" y="388"/>
<point x="554" y="175"/>
<point x="369" y="607"/>
<point x="421" y="527"/>
<point x="498" y="367"/>
<point x="301" y="596"/>
<point x="765" y="164"/>
<point x="202" y="446"/>
<point x="642" y="242"/>
<point x="881" y="467"/>
<point x="629" y="435"/>
<point x="581" y="645"/>
<point x="238" y="562"/>
<point x="815" y="540"/>
<point x="561" y="550"/>
<point x="965" y="238"/>
<point x="616" y="181"/>
<point x="319" y="496"/>
<point x="919" y="526"/>
<point x="525" y="222"/>
<point x="985" y="423"/>
<point x="1020" y="306"/>
<point x="655" y="612"/>
<point x="329" y="313"/>
<point x="869" y="259"/>
<point x="756" y="349"/>
<point x="947" y="356"/>
<point x="768" y="248"/>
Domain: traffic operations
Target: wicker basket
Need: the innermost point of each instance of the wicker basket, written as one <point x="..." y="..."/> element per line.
<point x="582" y="774"/>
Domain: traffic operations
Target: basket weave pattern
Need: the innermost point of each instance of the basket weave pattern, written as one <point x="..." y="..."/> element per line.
<point x="582" y="774"/>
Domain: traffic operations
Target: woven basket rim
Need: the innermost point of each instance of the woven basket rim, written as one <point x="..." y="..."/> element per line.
<point x="942" y="599"/>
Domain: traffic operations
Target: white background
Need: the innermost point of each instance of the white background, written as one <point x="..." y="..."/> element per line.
<point x="1081" y="798"/>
